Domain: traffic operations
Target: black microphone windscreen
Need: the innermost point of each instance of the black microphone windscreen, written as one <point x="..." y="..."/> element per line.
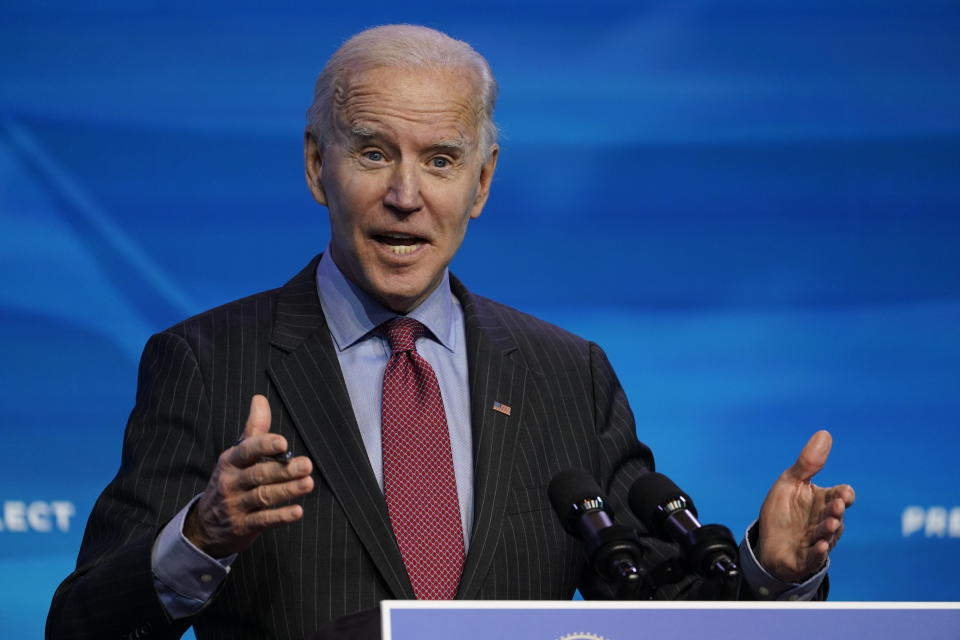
<point x="649" y="493"/>
<point x="570" y="487"/>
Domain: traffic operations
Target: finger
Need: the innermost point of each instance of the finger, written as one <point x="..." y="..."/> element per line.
<point x="265" y="496"/>
<point x="835" y="508"/>
<point x="250" y="450"/>
<point x="827" y="529"/>
<point x="843" y="492"/>
<point x="267" y="518"/>
<point x="258" y="421"/>
<point x="811" y="458"/>
<point x="818" y="555"/>
<point x="836" y="536"/>
<point x="274" y="472"/>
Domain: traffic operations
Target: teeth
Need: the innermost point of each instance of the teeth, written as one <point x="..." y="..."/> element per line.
<point x="402" y="249"/>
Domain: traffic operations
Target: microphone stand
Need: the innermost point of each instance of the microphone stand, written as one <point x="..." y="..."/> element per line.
<point x="615" y="554"/>
<point x="714" y="555"/>
<point x="618" y="556"/>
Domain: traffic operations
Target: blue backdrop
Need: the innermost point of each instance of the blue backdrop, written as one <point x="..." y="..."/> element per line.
<point x="754" y="207"/>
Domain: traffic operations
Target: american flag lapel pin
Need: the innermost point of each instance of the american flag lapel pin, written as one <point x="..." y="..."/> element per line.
<point x="502" y="408"/>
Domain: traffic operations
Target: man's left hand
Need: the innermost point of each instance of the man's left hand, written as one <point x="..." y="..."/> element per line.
<point x="800" y="522"/>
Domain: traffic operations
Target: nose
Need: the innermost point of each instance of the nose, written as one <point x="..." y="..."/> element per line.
<point x="403" y="193"/>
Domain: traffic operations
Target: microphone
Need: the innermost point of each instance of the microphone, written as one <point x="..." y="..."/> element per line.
<point x="668" y="513"/>
<point x="613" y="549"/>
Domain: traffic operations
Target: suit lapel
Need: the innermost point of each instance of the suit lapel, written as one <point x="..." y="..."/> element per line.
<point x="310" y="383"/>
<point x="495" y="376"/>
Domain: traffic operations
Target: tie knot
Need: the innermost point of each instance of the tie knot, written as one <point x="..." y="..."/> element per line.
<point x="402" y="332"/>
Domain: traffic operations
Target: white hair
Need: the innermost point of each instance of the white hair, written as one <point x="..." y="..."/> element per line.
<point x="401" y="46"/>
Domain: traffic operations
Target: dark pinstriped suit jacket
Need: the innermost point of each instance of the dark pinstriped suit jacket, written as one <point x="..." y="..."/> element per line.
<point x="195" y="384"/>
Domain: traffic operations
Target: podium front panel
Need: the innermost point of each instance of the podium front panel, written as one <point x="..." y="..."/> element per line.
<point x="486" y="620"/>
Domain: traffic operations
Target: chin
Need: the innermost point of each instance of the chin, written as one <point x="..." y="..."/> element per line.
<point x="401" y="292"/>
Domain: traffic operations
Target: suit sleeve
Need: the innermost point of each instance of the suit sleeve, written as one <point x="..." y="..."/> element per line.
<point x="165" y="462"/>
<point x="623" y="459"/>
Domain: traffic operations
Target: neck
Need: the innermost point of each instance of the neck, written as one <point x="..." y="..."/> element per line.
<point x="398" y="304"/>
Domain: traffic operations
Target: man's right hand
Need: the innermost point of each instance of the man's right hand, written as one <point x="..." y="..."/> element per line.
<point x="240" y="500"/>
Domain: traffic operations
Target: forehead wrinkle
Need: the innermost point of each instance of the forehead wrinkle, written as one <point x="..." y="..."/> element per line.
<point x="376" y="109"/>
<point x="360" y="101"/>
<point x="360" y="89"/>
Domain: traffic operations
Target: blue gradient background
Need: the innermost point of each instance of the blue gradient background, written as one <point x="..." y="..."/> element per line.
<point x="754" y="207"/>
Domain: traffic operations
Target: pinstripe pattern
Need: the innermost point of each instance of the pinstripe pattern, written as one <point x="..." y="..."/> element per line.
<point x="195" y="382"/>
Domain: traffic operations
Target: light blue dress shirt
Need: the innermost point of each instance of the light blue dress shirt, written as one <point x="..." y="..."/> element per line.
<point x="352" y="316"/>
<point x="186" y="577"/>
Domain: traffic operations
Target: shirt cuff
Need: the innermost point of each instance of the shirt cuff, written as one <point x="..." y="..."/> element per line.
<point x="765" y="586"/>
<point x="185" y="577"/>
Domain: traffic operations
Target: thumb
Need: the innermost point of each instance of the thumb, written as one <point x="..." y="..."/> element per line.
<point x="812" y="457"/>
<point x="259" y="419"/>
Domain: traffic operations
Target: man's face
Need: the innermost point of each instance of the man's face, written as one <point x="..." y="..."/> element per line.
<point x="402" y="174"/>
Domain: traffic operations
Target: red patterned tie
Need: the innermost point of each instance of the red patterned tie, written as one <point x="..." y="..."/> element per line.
<point x="418" y="478"/>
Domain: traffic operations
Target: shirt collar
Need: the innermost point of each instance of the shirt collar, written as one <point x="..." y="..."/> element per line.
<point x="351" y="313"/>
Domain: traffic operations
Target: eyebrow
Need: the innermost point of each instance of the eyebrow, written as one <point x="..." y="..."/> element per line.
<point x="452" y="145"/>
<point x="363" y="132"/>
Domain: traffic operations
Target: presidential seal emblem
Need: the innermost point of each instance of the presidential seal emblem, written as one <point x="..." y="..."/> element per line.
<point x="581" y="635"/>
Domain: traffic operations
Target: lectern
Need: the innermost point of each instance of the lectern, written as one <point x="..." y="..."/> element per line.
<point x="525" y="620"/>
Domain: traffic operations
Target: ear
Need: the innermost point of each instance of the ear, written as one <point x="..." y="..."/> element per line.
<point x="313" y="167"/>
<point x="486" y="179"/>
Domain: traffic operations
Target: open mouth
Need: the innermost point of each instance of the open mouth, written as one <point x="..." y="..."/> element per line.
<point x="399" y="244"/>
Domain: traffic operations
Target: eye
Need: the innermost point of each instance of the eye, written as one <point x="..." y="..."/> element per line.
<point x="439" y="162"/>
<point x="373" y="156"/>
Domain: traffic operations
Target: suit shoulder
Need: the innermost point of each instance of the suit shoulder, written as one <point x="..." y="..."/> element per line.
<point x="254" y="313"/>
<point x="533" y="335"/>
<point x="251" y="313"/>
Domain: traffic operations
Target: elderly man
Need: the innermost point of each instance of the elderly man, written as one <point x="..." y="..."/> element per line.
<point x="427" y="421"/>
